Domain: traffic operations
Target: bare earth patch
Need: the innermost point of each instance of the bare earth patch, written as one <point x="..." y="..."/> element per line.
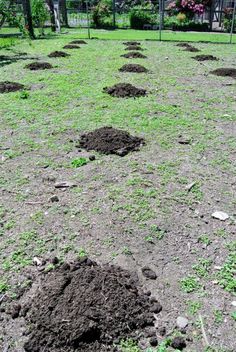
<point x="78" y="42"/>
<point x="34" y="66"/>
<point x="205" y="58"/>
<point x="58" y="54"/>
<point x="224" y="72"/>
<point x="125" y="90"/>
<point x="134" y="55"/>
<point x="134" y="47"/>
<point x="7" y="87"/>
<point x="71" y="46"/>
<point x="133" y="68"/>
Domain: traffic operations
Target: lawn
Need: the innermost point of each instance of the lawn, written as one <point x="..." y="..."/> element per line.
<point x="152" y="207"/>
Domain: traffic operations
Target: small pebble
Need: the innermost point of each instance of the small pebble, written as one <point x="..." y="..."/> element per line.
<point x="54" y="199"/>
<point x="182" y="322"/>
<point x="149" y="273"/>
<point x="92" y="157"/>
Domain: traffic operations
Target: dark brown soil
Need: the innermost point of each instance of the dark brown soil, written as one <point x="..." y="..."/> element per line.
<point x="131" y="43"/>
<point x="205" y="58"/>
<point x="34" y="66"/>
<point x="78" y="42"/>
<point x="224" y="72"/>
<point x="133" y="68"/>
<point x="7" y="87"/>
<point x="192" y="49"/>
<point x="58" y="54"/>
<point x="134" y="55"/>
<point x="71" y="46"/>
<point x="108" y="140"/>
<point x="125" y="90"/>
<point x="86" y="307"/>
<point x="183" y="45"/>
<point x="134" y="47"/>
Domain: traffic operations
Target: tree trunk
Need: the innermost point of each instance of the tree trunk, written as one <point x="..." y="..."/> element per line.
<point x="28" y="18"/>
<point x="52" y="15"/>
<point x="63" y="10"/>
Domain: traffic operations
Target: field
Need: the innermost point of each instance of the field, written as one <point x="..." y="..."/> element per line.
<point x="152" y="207"/>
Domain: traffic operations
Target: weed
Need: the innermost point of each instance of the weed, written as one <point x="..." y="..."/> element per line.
<point x="129" y="346"/>
<point x="126" y="251"/>
<point x="193" y="307"/>
<point x="218" y="316"/>
<point x="79" y="162"/>
<point x="227" y="273"/>
<point x="204" y="239"/>
<point x="82" y="253"/>
<point x="3" y="286"/>
<point x="189" y="284"/>
<point x="233" y="316"/>
<point x="24" y="94"/>
<point x="203" y="267"/>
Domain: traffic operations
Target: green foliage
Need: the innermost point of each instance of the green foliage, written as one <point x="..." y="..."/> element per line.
<point x="226" y="275"/>
<point x="140" y="16"/>
<point x="79" y="162"/>
<point x="172" y="22"/>
<point x="39" y="13"/>
<point x="189" y="284"/>
<point x="129" y="346"/>
<point x="101" y="14"/>
<point x="3" y="286"/>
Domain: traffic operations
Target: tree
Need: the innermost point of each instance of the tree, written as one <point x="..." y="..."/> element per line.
<point x="63" y="10"/>
<point x="28" y="18"/>
<point x="52" y="14"/>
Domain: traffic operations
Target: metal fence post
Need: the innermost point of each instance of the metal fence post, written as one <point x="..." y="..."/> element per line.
<point x="88" y="19"/>
<point x="232" y="25"/>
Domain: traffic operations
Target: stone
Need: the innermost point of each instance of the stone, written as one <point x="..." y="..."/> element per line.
<point x="182" y="322"/>
<point x="54" y="199"/>
<point x="220" y="215"/>
<point x="64" y="184"/>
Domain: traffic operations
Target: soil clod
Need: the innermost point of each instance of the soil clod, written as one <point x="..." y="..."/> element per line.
<point x="58" y="54"/>
<point x="134" y="55"/>
<point x="133" y="68"/>
<point x="149" y="273"/>
<point x="134" y="47"/>
<point x="192" y="49"/>
<point x="125" y="90"/>
<point x="131" y="43"/>
<point x="224" y="72"/>
<point x="7" y="87"/>
<point x="34" y="66"/>
<point x="205" y="58"/>
<point x="85" y="307"/>
<point x="178" y="343"/>
<point x="71" y="46"/>
<point x="78" y="42"/>
<point x="108" y="140"/>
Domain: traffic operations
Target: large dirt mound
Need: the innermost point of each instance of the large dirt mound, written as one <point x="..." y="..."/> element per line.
<point x="131" y="43"/>
<point x="134" y="47"/>
<point x="58" y="54"/>
<point x="125" y="90"/>
<point x="86" y="307"/>
<point x="71" y="46"/>
<point x="34" y="66"/>
<point x="78" y="42"/>
<point x="134" y="55"/>
<point x="7" y="87"/>
<point x="133" y="68"/>
<point x="108" y="140"/>
<point x="205" y="58"/>
<point x="224" y="72"/>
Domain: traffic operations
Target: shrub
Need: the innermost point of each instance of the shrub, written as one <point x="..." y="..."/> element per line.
<point x="174" y="23"/>
<point x="39" y="13"/>
<point x="139" y="17"/>
<point x="101" y="14"/>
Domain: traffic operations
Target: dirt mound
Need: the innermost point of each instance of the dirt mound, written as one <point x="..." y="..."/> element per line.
<point x="78" y="42"/>
<point x="134" y="47"/>
<point x="192" y="49"/>
<point x="108" y="140"/>
<point x="71" y="46"/>
<point x="7" y="87"/>
<point x="86" y="307"/>
<point x="58" y="54"/>
<point x="134" y="55"/>
<point x="224" y="72"/>
<point x="39" y="66"/>
<point x="133" y="68"/>
<point x="125" y="90"/>
<point x="183" y="45"/>
<point x="205" y="58"/>
<point x="131" y="43"/>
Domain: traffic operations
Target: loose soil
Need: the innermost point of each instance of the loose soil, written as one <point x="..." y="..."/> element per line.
<point x="7" y="87"/>
<point x="58" y="54"/>
<point x="183" y="45"/>
<point x="78" y="42"/>
<point x="108" y="140"/>
<point x="133" y="68"/>
<point x="192" y="49"/>
<point x="131" y="43"/>
<point x="125" y="90"/>
<point x="134" y="47"/>
<point x="134" y="55"/>
<point x="71" y="46"/>
<point x="34" y="66"/>
<point x="86" y="307"/>
<point x="224" y="72"/>
<point x="205" y="58"/>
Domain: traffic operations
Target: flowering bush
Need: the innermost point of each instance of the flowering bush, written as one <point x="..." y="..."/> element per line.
<point x="189" y="7"/>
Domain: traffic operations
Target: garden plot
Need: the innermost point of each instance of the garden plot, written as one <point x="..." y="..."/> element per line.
<point x="149" y="212"/>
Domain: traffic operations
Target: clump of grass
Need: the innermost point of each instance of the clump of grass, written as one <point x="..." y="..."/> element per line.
<point x="79" y="162"/>
<point x="189" y="284"/>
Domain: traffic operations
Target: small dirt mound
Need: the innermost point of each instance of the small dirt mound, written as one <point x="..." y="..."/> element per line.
<point x="71" y="46"/>
<point x="205" y="58"/>
<point x="78" y="42"/>
<point x="108" y="140"/>
<point x="86" y="307"/>
<point x="131" y="43"/>
<point x="134" y="55"/>
<point x="224" y="72"/>
<point x="133" y="68"/>
<point x="192" y="49"/>
<point x="125" y="90"/>
<point x="134" y="47"/>
<point x="7" y="87"/>
<point x="58" y="54"/>
<point x="34" y="66"/>
<point x="183" y="45"/>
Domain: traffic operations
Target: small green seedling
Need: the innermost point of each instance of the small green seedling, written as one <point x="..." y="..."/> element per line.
<point x="79" y="162"/>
